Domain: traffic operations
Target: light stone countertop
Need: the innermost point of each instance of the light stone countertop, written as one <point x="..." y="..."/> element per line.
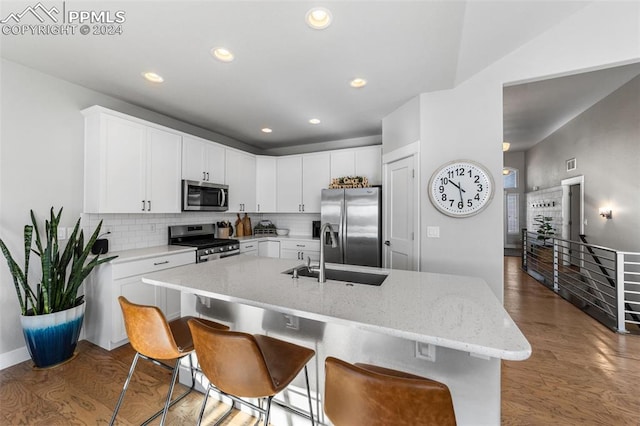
<point x="274" y="237"/>
<point x="452" y="311"/>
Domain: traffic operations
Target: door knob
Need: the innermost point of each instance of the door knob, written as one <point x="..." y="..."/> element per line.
<point x="387" y="243"/>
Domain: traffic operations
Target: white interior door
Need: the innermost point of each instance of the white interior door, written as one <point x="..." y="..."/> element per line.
<point x="399" y="220"/>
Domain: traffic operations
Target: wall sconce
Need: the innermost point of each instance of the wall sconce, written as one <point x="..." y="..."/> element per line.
<point x="605" y="212"/>
<point x="505" y="146"/>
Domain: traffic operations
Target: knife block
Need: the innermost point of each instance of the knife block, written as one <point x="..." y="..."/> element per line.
<point x="223" y="232"/>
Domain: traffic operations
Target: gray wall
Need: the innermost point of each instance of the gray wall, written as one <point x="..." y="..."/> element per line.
<point x="605" y="140"/>
<point x="402" y="126"/>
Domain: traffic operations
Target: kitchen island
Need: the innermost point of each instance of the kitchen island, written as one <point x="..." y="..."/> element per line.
<point x="445" y="327"/>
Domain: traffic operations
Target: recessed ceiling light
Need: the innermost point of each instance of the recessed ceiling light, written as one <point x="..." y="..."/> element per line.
<point x="153" y="77"/>
<point x="266" y="130"/>
<point x="358" y="82"/>
<point x="318" y="18"/>
<point x="222" y="54"/>
<point x="314" y="121"/>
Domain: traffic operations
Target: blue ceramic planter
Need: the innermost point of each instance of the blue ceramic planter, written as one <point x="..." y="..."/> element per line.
<point x="52" y="338"/>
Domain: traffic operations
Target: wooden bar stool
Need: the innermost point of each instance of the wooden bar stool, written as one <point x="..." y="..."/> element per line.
<point x="156" y="340"/>
<point x="241" y="365"/>
<point x="362" y="394"/>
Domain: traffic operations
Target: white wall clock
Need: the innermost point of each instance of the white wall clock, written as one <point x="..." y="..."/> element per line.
<point x="461" y="188"/>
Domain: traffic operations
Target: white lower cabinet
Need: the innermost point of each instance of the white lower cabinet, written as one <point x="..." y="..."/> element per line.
<point x="300" y="249"/>
<point x="269" y="249"/>
<point x="104" y="325"/>
<point x="249" y="247"/>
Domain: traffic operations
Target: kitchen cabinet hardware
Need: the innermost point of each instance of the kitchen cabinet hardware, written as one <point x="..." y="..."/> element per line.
<point x="300" y="245"/>
<point x="207" y="176"/>
<point x="143" y="205"/>
<point x="204" y="175"/>
<point x="160" y="263"/>
<point x="149" y="205"/>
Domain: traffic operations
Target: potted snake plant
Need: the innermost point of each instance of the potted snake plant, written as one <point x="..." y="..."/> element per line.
<point x="51" y="311"/>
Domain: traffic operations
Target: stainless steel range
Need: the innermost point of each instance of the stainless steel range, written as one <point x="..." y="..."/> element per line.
<point x="203" y="237"/>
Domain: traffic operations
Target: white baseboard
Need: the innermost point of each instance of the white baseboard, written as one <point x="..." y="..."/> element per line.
<point x="14" y="357"/>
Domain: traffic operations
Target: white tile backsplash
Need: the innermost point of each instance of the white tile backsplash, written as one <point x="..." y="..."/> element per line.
<point x="132" y="231"/>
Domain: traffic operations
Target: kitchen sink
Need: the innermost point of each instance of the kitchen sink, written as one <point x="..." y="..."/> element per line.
<point x="355" y="277"/>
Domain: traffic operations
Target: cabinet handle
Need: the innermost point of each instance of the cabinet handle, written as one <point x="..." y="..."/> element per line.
<point x="248" y="247"/>
<point x="207" y="175"/>
<point x="143" y="205"/>
<point x="300" y="245"/>
<point x="160" y="263"/>
<point x="149" y="205"/>
<point x="204" y="176"/>
<point x="258" y="207"/>
<point x="299" y="207"/>
<point x="303" y="207"/>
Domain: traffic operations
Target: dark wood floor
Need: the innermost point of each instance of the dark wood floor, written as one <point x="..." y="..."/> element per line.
<point x="580" y="373"/>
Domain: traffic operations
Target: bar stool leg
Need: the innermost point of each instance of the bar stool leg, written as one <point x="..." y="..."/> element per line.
<point x="204" y="404"/>
<point x="268" y="413"/>
<point x="306" y="379"/>
<point x="174" y="376"/>
<point x="124" y="389"/>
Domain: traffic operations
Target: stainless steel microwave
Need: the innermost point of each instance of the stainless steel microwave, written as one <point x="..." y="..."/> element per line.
<point x="204" y="196"/>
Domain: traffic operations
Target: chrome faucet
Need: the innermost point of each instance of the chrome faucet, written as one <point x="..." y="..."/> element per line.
<point x="334" y="244"/>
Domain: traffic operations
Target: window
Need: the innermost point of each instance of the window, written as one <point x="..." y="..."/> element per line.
<point x="513" y="219"/>
<point x="510" y="178"/>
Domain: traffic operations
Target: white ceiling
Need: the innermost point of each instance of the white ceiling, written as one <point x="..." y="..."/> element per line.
<point x="284" y="72"/>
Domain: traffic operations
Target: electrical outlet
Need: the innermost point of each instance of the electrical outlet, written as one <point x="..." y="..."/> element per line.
<point x="292" y="322"/>
<point x="426" y="351"/>
<point x="62" y="234"/>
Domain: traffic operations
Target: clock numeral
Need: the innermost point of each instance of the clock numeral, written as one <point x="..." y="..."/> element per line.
<point x="479" y="187"/>
<point x="460" y="171"/>
<point x="441" y="189"/>
<point x="477" y="180"/>
<point x="450" y="174"/>
<point x="469" y="203"/>
<point x="444" y="181"/>
<point x="451" y="203"/>
<point x="460" y="205"/>
<point x="477" y="197"/>
<point x="444" y="197"/>
<point x="469" y="171"/>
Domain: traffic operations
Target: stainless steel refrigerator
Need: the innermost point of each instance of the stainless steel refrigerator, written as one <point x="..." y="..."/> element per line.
<point x="356" y="217"/>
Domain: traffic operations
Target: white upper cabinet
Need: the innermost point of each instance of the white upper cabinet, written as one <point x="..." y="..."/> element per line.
<point x="130" y="167"/>
<point x="202" y="160"/>
<point x="241" y="178"/>
<point x="299" y="181"/>
<point x="369" y="164"/>
<point x="265" y="184"/>
<point x="289" y="184"/>
<point x="315" y="177"/>
<point x="365" y="162"/>
<point x="343" y="163"/>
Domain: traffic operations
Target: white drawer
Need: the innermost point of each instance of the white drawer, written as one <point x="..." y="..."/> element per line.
<point x="152" y="264"/>
<point x="248" y="246"/>
<point x="300" y="245"/>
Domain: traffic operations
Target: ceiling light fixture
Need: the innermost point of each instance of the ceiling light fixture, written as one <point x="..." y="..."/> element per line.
<point x="152" y="77"/>
<point x="505" y="146"/>
<point x="358" y="83"/>
<point x="318" y="18"/>
<point x="314" y="121"/>
<point x="222" y="54"/>
<point x="266" y="130"/>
